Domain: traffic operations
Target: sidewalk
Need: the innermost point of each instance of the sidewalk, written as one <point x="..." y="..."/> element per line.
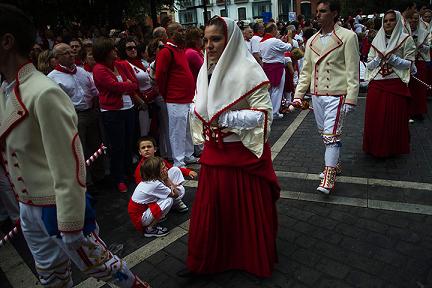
<point x="334" y="241"/>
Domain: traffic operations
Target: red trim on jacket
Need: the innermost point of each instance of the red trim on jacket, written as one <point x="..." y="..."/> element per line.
<point x="110" y="89"/>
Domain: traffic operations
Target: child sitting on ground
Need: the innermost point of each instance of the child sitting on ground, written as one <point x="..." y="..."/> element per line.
<point x="154" y="196"/>
<point x="147" y="148"/>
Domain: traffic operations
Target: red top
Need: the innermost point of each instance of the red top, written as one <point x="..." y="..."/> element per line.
<point x="173" y="76"/>
<point x="168" y="165"/>
<point x="110" y="89"/>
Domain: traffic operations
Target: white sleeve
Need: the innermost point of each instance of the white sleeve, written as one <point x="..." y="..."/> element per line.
<point x="254" y="45"/>
<point x="241" y="119"/>
<point x="160" y="191"/>
<point x="282" y="46"/>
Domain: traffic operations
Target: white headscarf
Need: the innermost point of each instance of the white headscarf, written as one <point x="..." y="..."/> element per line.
<point x="234" y="77"/>
<point x="397" y="37"/>
<point x="422" y="32"/>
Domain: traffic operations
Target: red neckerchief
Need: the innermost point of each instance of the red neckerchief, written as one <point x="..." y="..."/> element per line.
<point x="266" y="37"/>
<point x="78" y="62"/>
<point x="63" y="69"/>
<point x="256" y="34"/>
<point x="137" y="63"/>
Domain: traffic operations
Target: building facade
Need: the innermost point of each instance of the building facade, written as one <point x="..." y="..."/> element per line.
<point x="192" y="11"/>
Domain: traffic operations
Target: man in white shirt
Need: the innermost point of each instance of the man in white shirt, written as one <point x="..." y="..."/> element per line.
<point x="272" y="51"/>
<point x="79" y="86"/>
<point x="258" y="30"/>
<point x="247" y="35"/>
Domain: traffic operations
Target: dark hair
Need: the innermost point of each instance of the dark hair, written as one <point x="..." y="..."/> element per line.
<point x="121" y="47"/>
<point x="270" y="27"/>
<point x="334" y="5"/>
<point x="152" y="48"/>
<point x="151" y="168"/>
<point x="217" y="21"/>
<point x="256" y="26"/>
<point x="406" y="5"/>
<point x="101" y="49"/>
<point x="192" y="35"/>
<point x="76" y="40"/>
<point x="146" y="138"/>
<point x="15" y="22"/>
<point x="308" y="33"/>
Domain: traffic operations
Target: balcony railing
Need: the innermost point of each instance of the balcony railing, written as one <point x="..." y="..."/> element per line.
<point x="240" y="1"/>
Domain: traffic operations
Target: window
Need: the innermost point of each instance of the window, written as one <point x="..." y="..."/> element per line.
<point x="259" y="8"/>
<point x="242" y="13"/>
<point x="208" y="16"/>
<point x="187" y="16"/>
<point x="223" y="13"/>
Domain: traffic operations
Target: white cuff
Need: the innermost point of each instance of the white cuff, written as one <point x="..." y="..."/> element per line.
<point x="241" y="119"/>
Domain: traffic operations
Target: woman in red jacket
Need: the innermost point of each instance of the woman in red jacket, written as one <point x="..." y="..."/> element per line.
<point x="117" y="92"/>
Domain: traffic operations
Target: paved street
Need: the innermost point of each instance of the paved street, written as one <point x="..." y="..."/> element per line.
<point x="375" y="230"/>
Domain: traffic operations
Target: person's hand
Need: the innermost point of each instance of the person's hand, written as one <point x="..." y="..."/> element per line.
<point x="413" y="69"/>
<point x="193" y="174"/>
<point x="297" y="103"/>
<point x="174" y="191"/>
<point x="73" y="240"/>
<point x="348" y="108"/>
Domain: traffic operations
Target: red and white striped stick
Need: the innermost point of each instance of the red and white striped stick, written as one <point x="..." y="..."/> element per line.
<point x="9" y="236"/>
<point x="96" y="154"/>
<point x="429" y="87"/>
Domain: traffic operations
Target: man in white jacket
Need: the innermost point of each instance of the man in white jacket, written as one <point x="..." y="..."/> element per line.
<point x="331" y="73"/>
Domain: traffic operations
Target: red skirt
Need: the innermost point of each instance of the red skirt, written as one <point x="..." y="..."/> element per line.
<point x="234" y="220"/>
<point x="386" y="128"/>
<point x="418" y="91"/>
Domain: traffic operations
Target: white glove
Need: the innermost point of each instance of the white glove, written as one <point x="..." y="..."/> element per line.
<point x="241" y="119"/>
<point x="374" y="63"/>
<point x="348" y="108"/>
<point x="73" y="240"/>
<point x="413" y="69"/>
<point x="398" y="62"/>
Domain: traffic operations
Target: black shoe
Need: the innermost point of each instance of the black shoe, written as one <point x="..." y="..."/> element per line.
<point x="186" y="273"/>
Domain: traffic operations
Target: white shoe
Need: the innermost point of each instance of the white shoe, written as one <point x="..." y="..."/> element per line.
<point x="323" y="190"/>
<point x="278" y="116"/>
<point x="410" y="121"/>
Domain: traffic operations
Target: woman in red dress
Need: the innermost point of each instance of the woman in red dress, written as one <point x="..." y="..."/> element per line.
<point x="418" y="90"/>
<point x="234" y="219"/>
<point x="386" y="130"/>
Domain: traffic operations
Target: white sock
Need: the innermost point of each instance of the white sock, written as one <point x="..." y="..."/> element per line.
<point x="332" y="154"/>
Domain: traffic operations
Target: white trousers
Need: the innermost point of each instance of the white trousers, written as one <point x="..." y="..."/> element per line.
<point x="329" y="118"/>
<point x="175" y="175"/>
<point x="179" y="133"/>
<point x="164" y="143"/>
<point x="52" y="257"/>
<point x="276" y="93"/>
<point x="8" y="203"/>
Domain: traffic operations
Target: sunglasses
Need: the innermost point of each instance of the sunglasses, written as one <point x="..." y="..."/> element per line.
<point x="130" y="48"/>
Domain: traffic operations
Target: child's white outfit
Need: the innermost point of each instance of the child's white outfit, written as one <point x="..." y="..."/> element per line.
<point x="151" y="199"/>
